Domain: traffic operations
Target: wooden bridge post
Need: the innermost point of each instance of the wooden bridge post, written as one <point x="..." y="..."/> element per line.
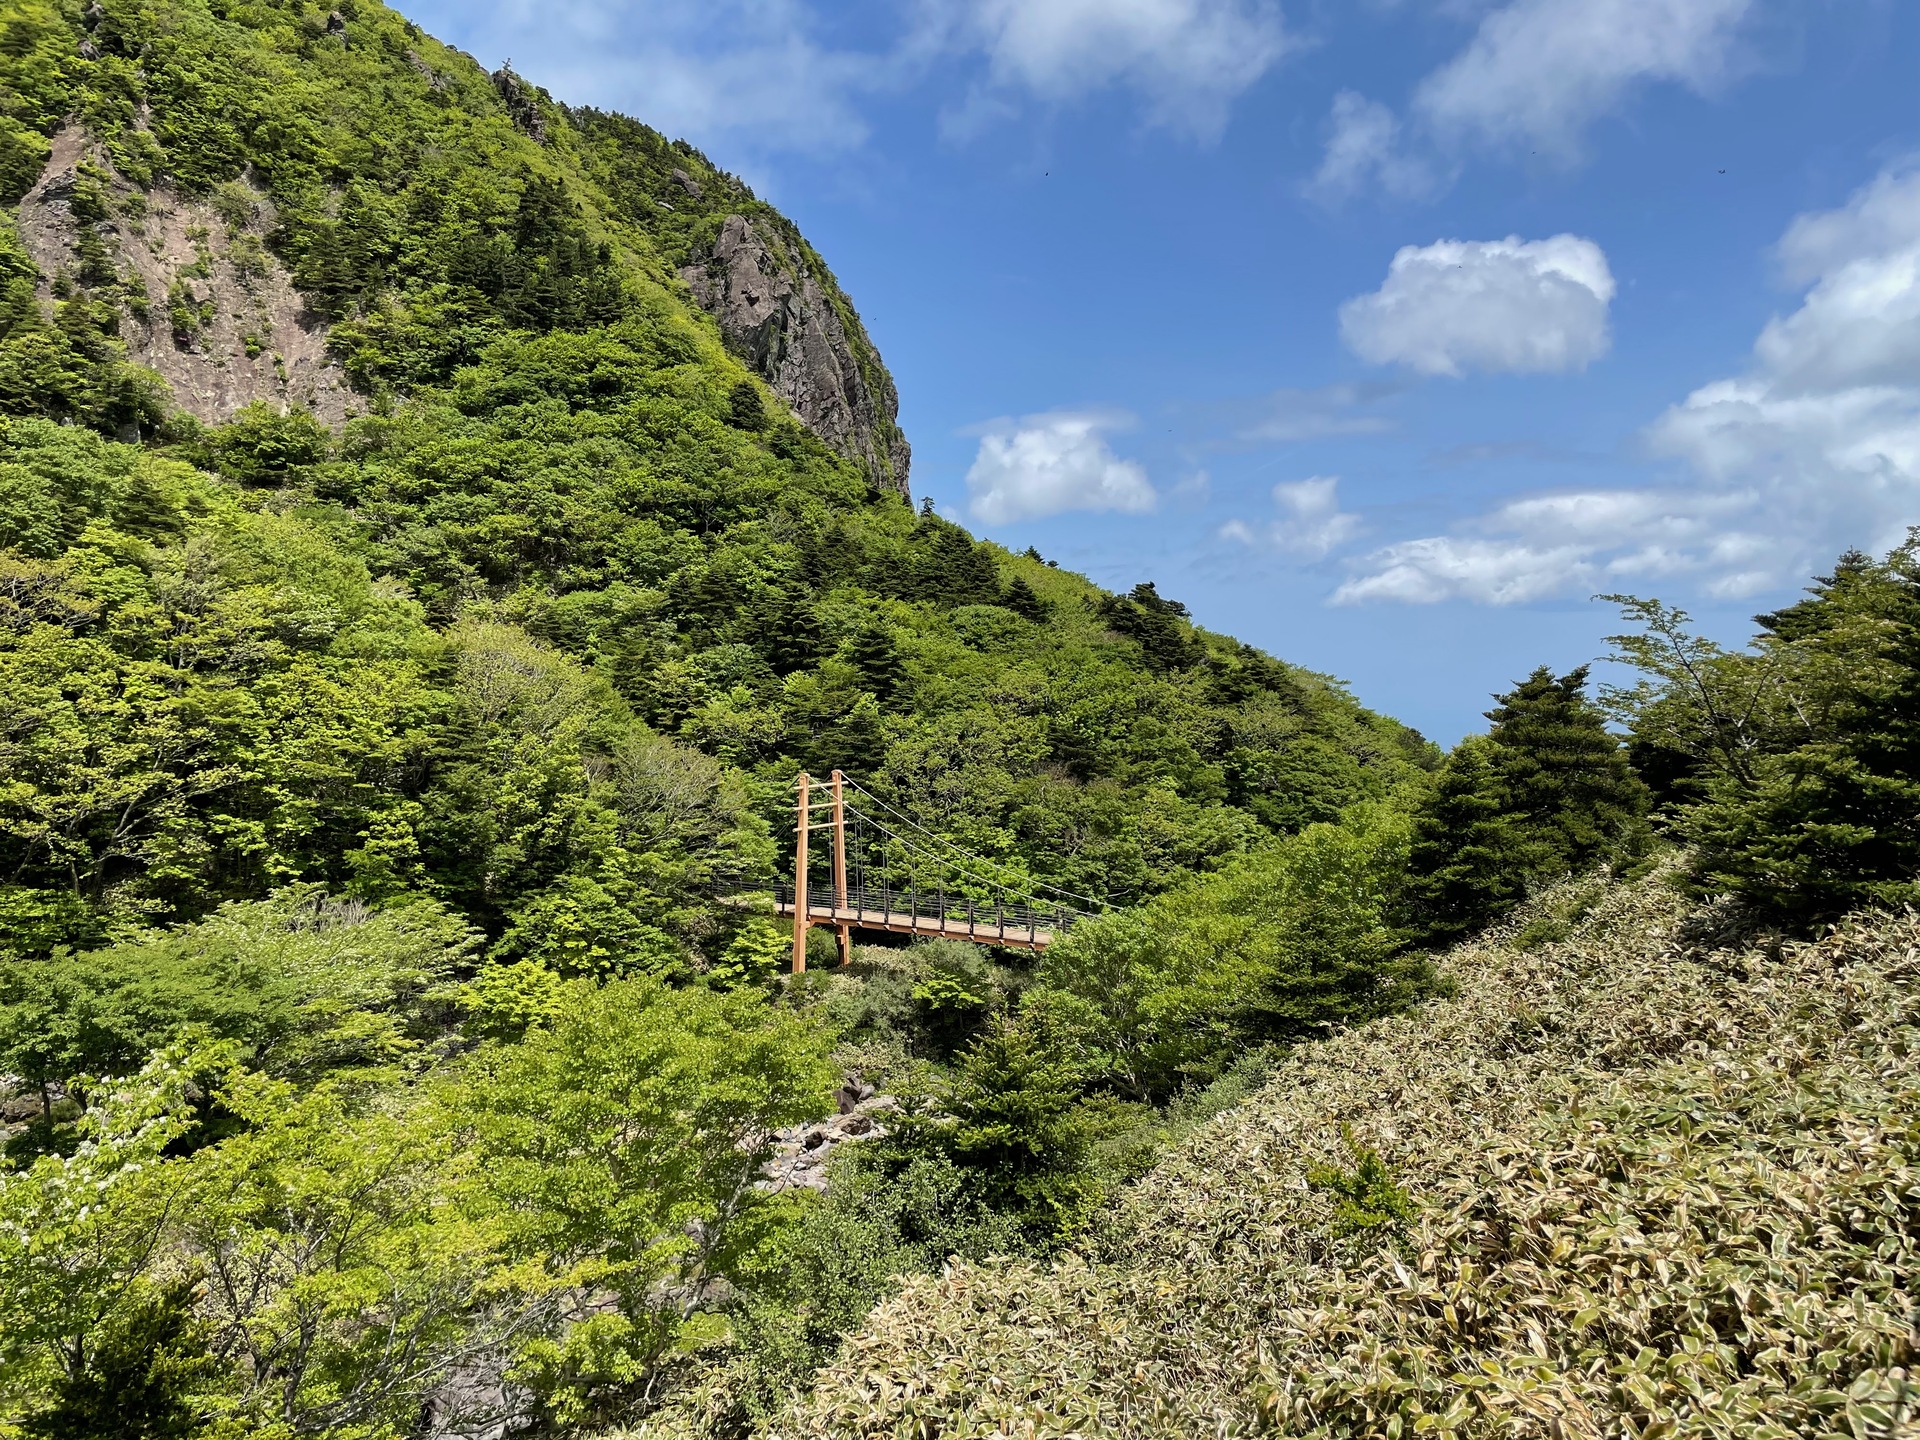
<point x="800" y="906"/>
<point x="840" y="868"/>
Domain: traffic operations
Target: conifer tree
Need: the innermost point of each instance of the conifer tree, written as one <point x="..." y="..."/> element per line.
<point x="1831" y="819"/>
<point x="745" y="409"/>
<point x="1472" y="854"/>
<point x="1559" y="766"/>
<point x="877" y="659"/>
<point x="1025" y="602"/>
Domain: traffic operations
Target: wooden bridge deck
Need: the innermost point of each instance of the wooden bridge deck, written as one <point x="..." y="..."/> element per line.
<point x="981" y="931"/>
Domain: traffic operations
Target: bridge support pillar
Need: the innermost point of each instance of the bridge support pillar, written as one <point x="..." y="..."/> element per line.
<point x="801" y="909"/>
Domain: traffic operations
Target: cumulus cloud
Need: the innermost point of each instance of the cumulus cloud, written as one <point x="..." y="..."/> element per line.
<point x="1187" y="59"/>
<point x="1311" y="522"/>
<point x="1498" y="305"/>
<point x="1571" y="544"/>
<point x="1540" y="72"/>
<point x="1535" y="77"/>
<point x="1364" y="148"/>
<point x="1815" y="448"/>
<point x="1443" y="567"/>
<point x="1826" y="423"/>
<point x="1044" y="465"/>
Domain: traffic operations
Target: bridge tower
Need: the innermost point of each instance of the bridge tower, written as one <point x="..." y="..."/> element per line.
<point x="804" y="825"/>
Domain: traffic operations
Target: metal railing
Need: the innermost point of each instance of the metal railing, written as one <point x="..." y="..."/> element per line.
<point x="957" y="915"/>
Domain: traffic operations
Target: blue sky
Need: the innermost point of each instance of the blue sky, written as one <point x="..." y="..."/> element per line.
<point x="1383" y="333"/>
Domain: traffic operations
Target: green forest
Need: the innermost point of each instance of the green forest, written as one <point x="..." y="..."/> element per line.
<point x="381" y="1053"/>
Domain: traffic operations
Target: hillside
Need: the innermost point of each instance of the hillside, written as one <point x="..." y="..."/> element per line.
<point x="456" y="373"/>
<point x="319" y="207"/>
<point x="436" y="525"/>
<point x="1659" y="1183"/>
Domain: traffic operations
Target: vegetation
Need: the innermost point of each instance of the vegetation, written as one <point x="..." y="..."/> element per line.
<point x="1793" y="767"/>
<point x="1653" y="1185"/>
<point x="381" y="1042"/>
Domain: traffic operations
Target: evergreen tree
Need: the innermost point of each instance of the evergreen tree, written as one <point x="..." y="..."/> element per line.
<point x="1471" y="854"/>
<point x="1024" y="602"/>
<point x="874" y="655"/>
<point x="1831" y="819"/>
<point x="745" y="409"/>
<point x="951" y="569"/>
<point x="1560" y="767"/>
<point x="1158" y="624"/>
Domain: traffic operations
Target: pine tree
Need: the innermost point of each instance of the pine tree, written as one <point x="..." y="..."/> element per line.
<point x="1559" y="766"/>
<point x="1833" y="821"/>
<point x="1025" y="602"/>
<point x="1472" y="854"/>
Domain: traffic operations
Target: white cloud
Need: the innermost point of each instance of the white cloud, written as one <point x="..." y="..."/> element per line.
<point x="750" y="72"/>
<point x="1312" y="524"/>
<point x="768" y="76"/>
<point x="1498" y="305"/>
<point x="1289" y="415"/>
<point x="1046" y="464"/>
<point x="1571" y="544"/>
<point x="1365" y="148"/>
<point x="1442" y="567"/>
<point x="1535" y="77"/>
<point x="1826" y="424"/>
<point x="1539" y="72"/>
<point x="1187" y="59"/>
<point x="1814" y="449"/>
<point x="1881" y="219"/>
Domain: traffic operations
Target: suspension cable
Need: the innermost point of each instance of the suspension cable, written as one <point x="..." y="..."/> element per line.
<point x="989" y="883"/>
<point x="1028" y="885"/>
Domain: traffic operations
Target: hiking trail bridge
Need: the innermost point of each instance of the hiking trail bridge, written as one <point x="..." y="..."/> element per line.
<point x="888" y="872"/>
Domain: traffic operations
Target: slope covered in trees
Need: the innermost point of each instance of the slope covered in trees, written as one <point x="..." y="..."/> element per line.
<point x="563" y="480"/>
<point x="374" y="1046"/>
<point x="376" y="1059"/>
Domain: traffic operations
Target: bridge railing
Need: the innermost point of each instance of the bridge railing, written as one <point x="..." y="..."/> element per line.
<point x="960" y="914"/>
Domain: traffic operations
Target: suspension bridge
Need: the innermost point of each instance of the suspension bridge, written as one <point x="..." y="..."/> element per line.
<point x="881" y="870"/>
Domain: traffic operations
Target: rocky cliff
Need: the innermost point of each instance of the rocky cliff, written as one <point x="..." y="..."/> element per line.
<point x="245" y="239"/>
<point x="781" y="320"/>
<point x="203" y="301"/>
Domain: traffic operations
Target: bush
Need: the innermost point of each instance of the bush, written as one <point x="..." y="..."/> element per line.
<point x="1289" y="941"/>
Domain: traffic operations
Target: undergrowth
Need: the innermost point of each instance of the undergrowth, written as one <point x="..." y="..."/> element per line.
<point x="1650" y="1189"/>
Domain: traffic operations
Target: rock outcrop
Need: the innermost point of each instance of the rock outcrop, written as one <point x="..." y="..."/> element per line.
<point x="782" y="321"/>
<point x="209" y="306"/>
<point x="801" y="1152"/>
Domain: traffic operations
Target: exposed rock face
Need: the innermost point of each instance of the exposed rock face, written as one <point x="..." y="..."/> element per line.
<point x="801" y="1152"/>
<point x="777" y="317"/>
<point x="214" y="292"/>
<point x="523" y="103"/>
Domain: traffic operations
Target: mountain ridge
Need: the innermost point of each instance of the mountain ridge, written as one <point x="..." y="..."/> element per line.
<point x="187" y="310"/>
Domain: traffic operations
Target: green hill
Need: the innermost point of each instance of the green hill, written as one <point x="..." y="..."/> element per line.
<point x="457" y="383"/>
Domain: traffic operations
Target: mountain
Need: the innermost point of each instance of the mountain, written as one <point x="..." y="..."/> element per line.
<point x="468" y="380"/>
<point x="437" y="524"/>
<point x="192" y="169"/>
